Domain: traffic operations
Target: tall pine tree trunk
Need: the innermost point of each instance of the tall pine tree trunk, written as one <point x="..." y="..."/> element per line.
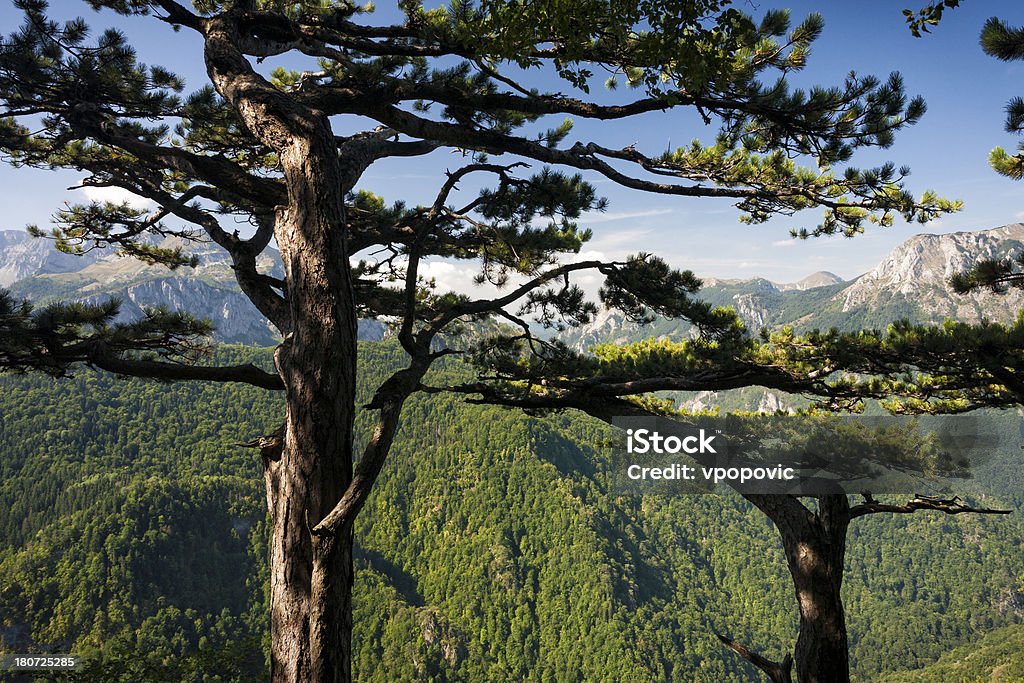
<point x="311" y="576"/>
<point x="815" y="547"/>
<point x="816" y="561"/>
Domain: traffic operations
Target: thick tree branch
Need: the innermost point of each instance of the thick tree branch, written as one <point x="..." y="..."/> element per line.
<point x="100" y="356"/>
<point x="389" y="398"/>
<point x="215" y="170"/>
<point x="253" y="284"/>
<point x="577" y="157"/>
<point x="178" y="15"/>
<point x="785" y="511"/>
<point x="362" y="150"/>
<point x="778" y="672"/>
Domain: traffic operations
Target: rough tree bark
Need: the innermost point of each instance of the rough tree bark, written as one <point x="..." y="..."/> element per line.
<point x="815" y="547"/>
<point x="310" y="576"/>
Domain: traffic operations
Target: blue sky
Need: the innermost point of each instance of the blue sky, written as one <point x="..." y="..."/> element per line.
<point x="966" y="93"/>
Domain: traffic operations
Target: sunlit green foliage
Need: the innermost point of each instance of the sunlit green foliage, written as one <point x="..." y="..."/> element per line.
<point x="132" y="530"/>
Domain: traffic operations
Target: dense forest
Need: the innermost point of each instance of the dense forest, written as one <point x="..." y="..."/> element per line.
<point x="132" y="531"/>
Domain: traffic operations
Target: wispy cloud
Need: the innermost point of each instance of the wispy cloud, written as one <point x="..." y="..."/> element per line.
<point x="596" y="218"/>
<point x="610" y="241"/>
<point x="453" y="277"/>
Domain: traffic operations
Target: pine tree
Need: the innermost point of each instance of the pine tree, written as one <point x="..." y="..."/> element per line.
<point x="1006" y="43"/>
<point x="912" y="369"/>
<point x="259" y="145"/>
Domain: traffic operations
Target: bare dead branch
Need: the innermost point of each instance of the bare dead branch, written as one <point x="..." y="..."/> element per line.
<point x="778" y="672"/>
<point x="951" y="506"/>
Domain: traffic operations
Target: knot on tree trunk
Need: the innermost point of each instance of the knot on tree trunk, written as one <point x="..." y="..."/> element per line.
<point x="270" y="445"/>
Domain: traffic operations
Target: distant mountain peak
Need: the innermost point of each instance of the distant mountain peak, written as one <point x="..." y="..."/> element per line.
<point x="822" y="278"/>
<point x="911" y="282"/>
<point x="22" y="256"/>
<point x="33" y="269"/>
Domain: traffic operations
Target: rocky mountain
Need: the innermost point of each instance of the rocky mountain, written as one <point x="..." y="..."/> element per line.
<point x="911" y="282"/>
<point x="33" y="269"/>
<point x="822" y="278"/>
<point x="917" y="272"/>
<point x="21" y="257"/>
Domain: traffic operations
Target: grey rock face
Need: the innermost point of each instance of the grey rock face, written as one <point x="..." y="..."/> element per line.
<point x="33" y="268"/>
<point x="919" y="270"/>
<point x="22" y="256"/>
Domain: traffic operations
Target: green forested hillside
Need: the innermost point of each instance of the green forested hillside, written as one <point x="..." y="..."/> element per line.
<point x="998" y="657"/>
<point x="132" y="531"/>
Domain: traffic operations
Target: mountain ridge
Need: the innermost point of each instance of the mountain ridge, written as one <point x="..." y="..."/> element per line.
<point x="910" y="282"/>
<point x="208" y="291"/>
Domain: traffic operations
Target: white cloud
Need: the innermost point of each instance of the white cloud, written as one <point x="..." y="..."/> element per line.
<point x="588" y="255"/>
<point x="446" y="274"/>
<point x="452" y="276"/>
<point x="117" y="196"/>
<point x="456" y="277"/>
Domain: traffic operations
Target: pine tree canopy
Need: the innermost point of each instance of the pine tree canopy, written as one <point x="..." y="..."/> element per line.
<point x="160" y="345"/>
<point x="283" y="151"/>
<point x="455" y="77"/>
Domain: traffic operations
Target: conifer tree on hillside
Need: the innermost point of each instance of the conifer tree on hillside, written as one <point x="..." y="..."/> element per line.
<point x="912" y="369"/>
<point x="283" y="150"/>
